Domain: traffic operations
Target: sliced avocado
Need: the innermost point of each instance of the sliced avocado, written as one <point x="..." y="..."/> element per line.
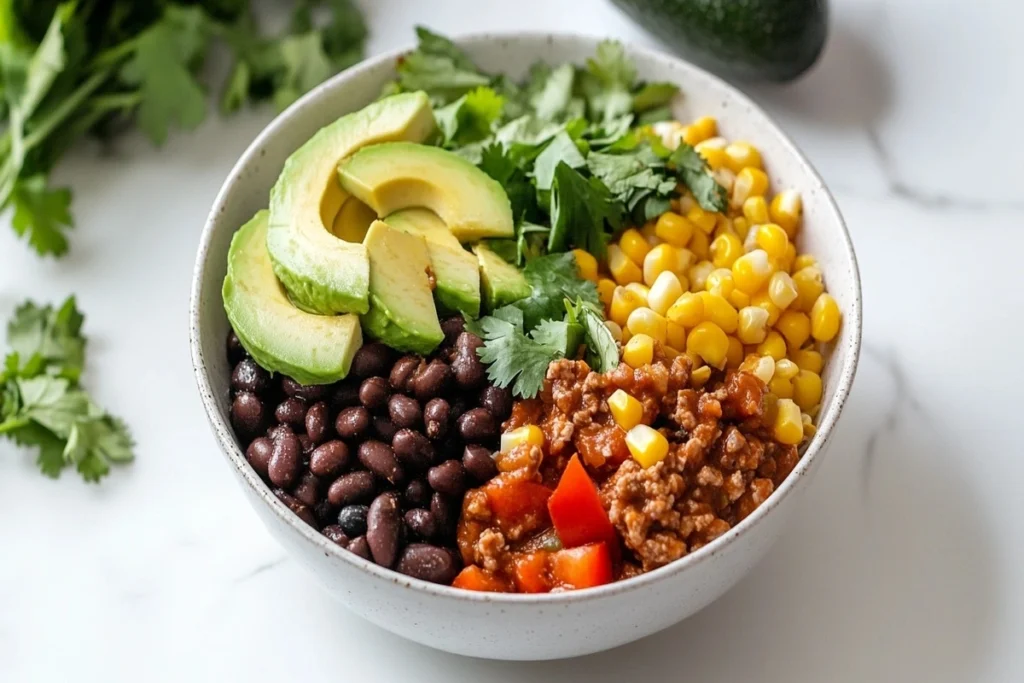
<point x="353" y="220"/>
<point x="312" y="349"/>
<point x="393" y="176"/>
<point x="502" y="282"/>
<point x="402" y="313"/>
<point x="322" y="273"/>
<point x="456" y="272"/>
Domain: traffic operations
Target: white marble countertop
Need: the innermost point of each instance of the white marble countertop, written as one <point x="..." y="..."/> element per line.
<point x="906" y="562"/>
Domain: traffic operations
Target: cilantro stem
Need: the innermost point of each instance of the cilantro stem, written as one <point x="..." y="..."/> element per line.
<point x="65" y="109"/>
<point x="12" y="424"/>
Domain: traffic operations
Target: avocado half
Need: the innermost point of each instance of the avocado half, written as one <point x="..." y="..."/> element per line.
<point x="322" y="273"/>
<point x="311" y="348"/>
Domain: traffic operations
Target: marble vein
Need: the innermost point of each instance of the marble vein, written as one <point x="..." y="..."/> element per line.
<point x="261" y="569"/>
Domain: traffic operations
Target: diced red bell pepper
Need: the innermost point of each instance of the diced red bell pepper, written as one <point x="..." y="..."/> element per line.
<point x="520" y="505"/>
<point x="531" y="572"/>
<point x="473" y="578"/>
<point x="583" y="567"/>
<point x="576" y="510"/>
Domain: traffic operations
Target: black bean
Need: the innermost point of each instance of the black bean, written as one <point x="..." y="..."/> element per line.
<point x="329" y="459"/>
<point x="308" y="392"/>
<point x="371" y="359"/>
<point x="479" y="463"/>
<point x="247" y="414"/>
<point x="359" y="546"/>
<point x="336" y="534"/>
<point x="354" y="487"/>
<point x="478" y="425"/>
<point x="279" y="432"/>
<point x="416" y="494"/>
<point x="421" y="523"/>
<point x="317" y="421"/>
<point x="452" y="328"/>
<point x="248" y="376"/>
<point x="448" y="478"/>
<point x="467" y="344"/>
<point x="459" y="405"/>
<point x="285" y="461"/>
<point x="296" y="506"/>
<point x="325" y="512"/>
<point x="431" y="380"/>
<point x="352" y="423"/>
<point x="380" y="459"/>
<point x="498" y="401"/>
<point x="291" y="411"/>
<point x="428" y="562"/>
<point x="445" y="513"/>
<point x="307" y="491"/>
<point x="236" y="351"/>
<point x="468" y="371"/>
<point x="258" y="455"/>
<point x="413" y="449"/>
<point x="435" y="415"/>
<point x="383" y="528"/>
<point x="352" y="520"/>
<point x="344" y="395"/>
<point x="402" y="372"/>
<point x="405" y="411"/>
<point x="373" y="393"/>
<point x="307" y="444"/>
<point x="384" y="428"/>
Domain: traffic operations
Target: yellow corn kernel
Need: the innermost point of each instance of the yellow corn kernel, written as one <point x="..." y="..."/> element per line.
<point x="750" y="182"/>
<point x="626" y="410"/>
<point x="740" y="155"/>
<point x="785" y="210"/>
<point x="704" y="220"/>
<point x="781" y="290"/>
<point x="634" y="245"/>
<point x="781" y="387"/>
<point x="786" y="369"/>
<point x="669" y="352"/>
<point x="752" y="327"/>
<point x="725" y="249"/>
<point x="795" y="327"/>
<point x="638" y="351"/>
<point x="645" y="321"/>
<point x="709" y="342"/>
<point x="676" y="336"/>
<point x="772" y="239"/>
<point x="695" y="360"/>
<point x="810" y="283"/>
<point x="670" y="132"/>
<point x="762" y="367"/>
<point x="586" y="264"/>
<point x="615" y="329"/>
<point x="788" y="425"/>
<point x="706" y="128"/>
<point x="809" y="428"/>
<point x="825" y="318"/>
<point x="688" y="311"/>
<point x="807" y="389"/>
<point x="738" y="299"/>
<point x="664" y="292"/>
<point x="674" y="229"/>
<point x="725" y="178"/>
<point x="741" y="226"/>
<point x="763" y="300"/>
<point x="648" y="231"/>
<point x="700" y="376"/>
<point x="622" y="267"/>
<point x="623" y="303"/>
<point x="808" y="359"/>
<point x="719" y="281"/>
<point x="804" y="260"/>
<point x="647" y="445"/>
<point x="773" y="345"/>
<point x="639" y="289"/>
<point x="755" y="210"/>
<point x="734" y="354"/>
<point x="605" y="290"/>
<point x="719" y="311"/>
<point x="661" y="259"/>
<point x="723" y="226"/>
<point x="527" y="434"/>
<point x="700" y="245"/>
<point x="713" y="151"/>
<point x="785" y="262"/>
<point x="698" y="275"/>
<point x="751" y="271"/>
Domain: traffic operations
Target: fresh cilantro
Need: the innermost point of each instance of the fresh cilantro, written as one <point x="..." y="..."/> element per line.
<point x="469" y="118"/>
<point x="552" y="278"/>
<point x="498" y="163"/>
<point x="513" y="358"/>
<point x="554" y="96"/>
<point x="696" y="175"/>
<point x="41" y="214"/>
<point x="624" y="174"/>
<point x="607" y="82"/>
<point x="439" y="67"/>
<point x="561" y="150"/>
<point x="54" y="335"/>
<point x="563" y="335"/>
<point x="304" y="63"/>
<point x="651" y="96"/>
<point x="602" y="351"/>
<point x="581" y="210"/>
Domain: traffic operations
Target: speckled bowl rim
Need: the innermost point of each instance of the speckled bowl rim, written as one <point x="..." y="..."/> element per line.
<point x="225" y="435"/>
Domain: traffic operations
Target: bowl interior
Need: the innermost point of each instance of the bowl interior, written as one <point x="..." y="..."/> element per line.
<point x="247" y="187"/>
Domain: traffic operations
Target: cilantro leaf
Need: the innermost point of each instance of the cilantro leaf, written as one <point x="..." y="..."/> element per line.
<point x="608" y="81"/>
<point x="469" y="118"/>
<point x="602" y="351"/>
<point x="54" y="336"/>
<point x="554" y="95"/>
<point x="514" y="358"/>
<point x="625" y="173"/>
<point x="563" y="335"/>
<point x="42" y="214"/>
<point x="440" y="68"/>
<point x="561" y="149"/>
<point x="696" y="175"/>
<point x="305" y="65"/>
<point x="552" y="278"/>
<point x="653" y="96"/>
<point x="580" y="210"/>
<point x="497" y="162"/>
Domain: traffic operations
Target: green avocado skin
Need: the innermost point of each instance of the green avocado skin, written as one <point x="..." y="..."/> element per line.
<point x="754" y="40"/>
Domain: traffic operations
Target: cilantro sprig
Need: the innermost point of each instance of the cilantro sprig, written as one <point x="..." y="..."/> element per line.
<point x="42" y="404"/>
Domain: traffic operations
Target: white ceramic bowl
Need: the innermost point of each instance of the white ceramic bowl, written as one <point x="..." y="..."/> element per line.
<point x="505" y="626"/>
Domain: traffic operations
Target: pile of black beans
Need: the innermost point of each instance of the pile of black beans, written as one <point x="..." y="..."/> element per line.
<point x="378" y="462"/>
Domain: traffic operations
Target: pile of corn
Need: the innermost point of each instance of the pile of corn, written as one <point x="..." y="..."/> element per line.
<point x="727" y="289"/>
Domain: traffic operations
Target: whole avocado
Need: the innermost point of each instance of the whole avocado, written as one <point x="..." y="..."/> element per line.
<point x="774" y="40"/>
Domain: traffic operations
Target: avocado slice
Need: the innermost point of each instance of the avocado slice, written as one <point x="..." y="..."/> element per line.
<point x="502" y="282"/>
<point x="353" y="220"/>
<point x="310" y="348"/>
<point x="393" y="176"/>
<point x="402" y="313"/>
<point x="324" y="274"/>
<point x="456" y="272"/>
